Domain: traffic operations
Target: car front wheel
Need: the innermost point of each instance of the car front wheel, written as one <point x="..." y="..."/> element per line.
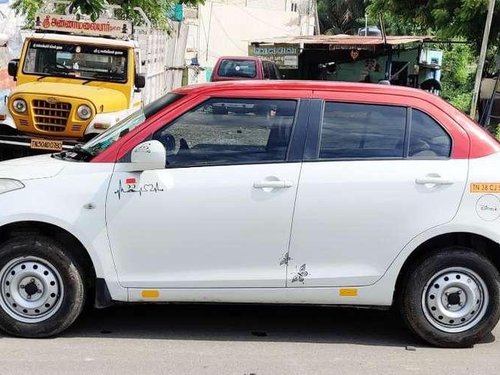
<point x="41" y="287"/>
<point x="452" y="298"/>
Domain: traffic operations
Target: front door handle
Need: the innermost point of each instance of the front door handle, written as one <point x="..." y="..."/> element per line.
<point x="272" y="184"/>
<point x="434" y="180"/>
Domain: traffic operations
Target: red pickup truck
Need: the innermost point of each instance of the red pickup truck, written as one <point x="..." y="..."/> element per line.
<point x="230" y="68"/>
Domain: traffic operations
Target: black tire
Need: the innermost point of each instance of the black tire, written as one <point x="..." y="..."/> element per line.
<point x="67" y="305"/>
<point x="415" y="306"/>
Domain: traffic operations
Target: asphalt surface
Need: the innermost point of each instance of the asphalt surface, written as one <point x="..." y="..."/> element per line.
<point x="208" y="339"/>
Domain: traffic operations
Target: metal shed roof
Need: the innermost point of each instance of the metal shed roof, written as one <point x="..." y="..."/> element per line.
<point x="346" y="41"/>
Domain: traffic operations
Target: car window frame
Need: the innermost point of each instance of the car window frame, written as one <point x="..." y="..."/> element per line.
<point x="295" y="149"/>
<point x="315" y="127"/>
<point x="409" y="126"/>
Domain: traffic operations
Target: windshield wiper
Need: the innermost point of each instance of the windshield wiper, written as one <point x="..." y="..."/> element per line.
<point x="76" y="153"/>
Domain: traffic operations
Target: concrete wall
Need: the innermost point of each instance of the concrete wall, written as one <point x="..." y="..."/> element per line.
<point x="10" y="45"/>
<point x="225" y="27"/>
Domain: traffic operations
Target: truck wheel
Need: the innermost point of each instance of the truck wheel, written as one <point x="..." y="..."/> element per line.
<point x="41" y="287"/>
<point x="452" y="298"/>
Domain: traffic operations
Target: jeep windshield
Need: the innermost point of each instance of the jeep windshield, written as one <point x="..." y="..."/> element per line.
<point x="80" y="61"/>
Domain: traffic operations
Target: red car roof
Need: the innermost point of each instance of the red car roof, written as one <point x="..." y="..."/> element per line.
<point x="305" y="85"/>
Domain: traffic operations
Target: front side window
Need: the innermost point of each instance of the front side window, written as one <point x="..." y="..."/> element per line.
<point x="427" y="138"/>
<point x="238" y="68"/>
<point x="229" y="131"/>
<point x="85" y="62"/>
<point x="362" y="131"/>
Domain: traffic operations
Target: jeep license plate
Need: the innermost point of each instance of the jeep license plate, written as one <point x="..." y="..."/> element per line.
<point x="46" y="144"/>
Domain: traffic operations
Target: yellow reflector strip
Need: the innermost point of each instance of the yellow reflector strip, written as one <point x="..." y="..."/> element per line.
<point x="150" y="293"/>
<point x="348" y="292"/>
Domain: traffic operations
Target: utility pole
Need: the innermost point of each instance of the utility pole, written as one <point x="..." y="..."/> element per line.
<point x="482" y="58"/>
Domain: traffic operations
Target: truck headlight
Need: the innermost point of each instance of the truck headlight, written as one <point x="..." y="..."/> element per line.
<point x="8" y="184"/>
<point x="19" y="105"/>
<point x="84" y="112"/>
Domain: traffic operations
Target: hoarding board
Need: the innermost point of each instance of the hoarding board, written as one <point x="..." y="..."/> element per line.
<point x="102" y="27"/>
<point x="285" y="56"/>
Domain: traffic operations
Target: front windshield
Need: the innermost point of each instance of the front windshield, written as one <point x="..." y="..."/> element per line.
<point x="82" y="61"/>
<point x="97" y="145"/>
<point x="106" y="139"/>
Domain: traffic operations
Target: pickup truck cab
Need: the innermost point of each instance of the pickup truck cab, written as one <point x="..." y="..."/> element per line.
<point x="300" y="192"/>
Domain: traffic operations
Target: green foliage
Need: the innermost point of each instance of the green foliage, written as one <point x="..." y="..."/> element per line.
<point x="444" y="18"/>
<point x="28" y="8"/>
<point x="458" y="76"/>
<point x="156" y="10"/>
<point x="93" y="8"/>
<point x="340" y="16"/>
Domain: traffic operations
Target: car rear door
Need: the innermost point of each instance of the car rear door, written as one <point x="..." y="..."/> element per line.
<point x="376" y="173"/>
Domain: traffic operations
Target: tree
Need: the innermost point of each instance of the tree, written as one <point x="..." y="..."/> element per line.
<point x="340" y="16"/>
<point x="156" y="10"/>
<point x="444" y="18"/>
<point x="457" y="75"/>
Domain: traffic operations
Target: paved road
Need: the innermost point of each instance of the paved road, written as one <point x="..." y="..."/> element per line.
<point x="194" y="339"/>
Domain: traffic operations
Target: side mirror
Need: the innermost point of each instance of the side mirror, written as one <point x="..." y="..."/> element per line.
<point x="139" y="81"/>
<point x="12" y="67"/>
<point x="148" y="155"/>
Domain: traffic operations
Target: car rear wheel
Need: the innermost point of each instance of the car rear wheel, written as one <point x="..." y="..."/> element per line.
<point x="41" y="287"/>
<point x="452" y="297"/>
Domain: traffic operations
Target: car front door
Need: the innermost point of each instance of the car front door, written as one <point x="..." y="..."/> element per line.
<point x="219" y="214"/>
<point x="376" y="176"/>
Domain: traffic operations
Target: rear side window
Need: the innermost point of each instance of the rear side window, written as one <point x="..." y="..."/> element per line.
<point x="362" y="131"/>
<point x="237" y="68"/>
<point x="427" y="138"/>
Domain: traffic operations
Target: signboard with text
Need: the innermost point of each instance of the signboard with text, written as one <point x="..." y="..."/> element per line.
<point x="100" y="27"/>
<point x="285" y="56"/>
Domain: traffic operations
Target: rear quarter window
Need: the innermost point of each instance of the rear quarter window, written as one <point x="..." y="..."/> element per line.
<point x="427" y="138"/>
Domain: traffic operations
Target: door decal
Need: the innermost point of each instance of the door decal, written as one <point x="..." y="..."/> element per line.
<point x="300" y="275"/>
<point x="132" y="186"/>
<point x="286" y="258"/>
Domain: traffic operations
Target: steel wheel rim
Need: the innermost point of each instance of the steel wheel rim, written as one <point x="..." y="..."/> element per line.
<point x="455" y="299"/>
<point x="31" y="289"/>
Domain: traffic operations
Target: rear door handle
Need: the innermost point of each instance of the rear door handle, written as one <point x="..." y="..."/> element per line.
<point x="272" y="184"/>
<point x="434" y="180"/>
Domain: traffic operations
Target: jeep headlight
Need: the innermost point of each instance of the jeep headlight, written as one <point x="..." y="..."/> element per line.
<point x="84" y="112"/>
<point x="8" y="184"/>
<point x="19" y="106"/>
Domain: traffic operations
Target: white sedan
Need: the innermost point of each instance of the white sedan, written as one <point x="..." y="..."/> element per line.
<point x="262" y="192"/>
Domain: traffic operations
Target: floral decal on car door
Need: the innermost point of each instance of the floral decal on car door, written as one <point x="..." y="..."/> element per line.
<point x="300" y="275"/>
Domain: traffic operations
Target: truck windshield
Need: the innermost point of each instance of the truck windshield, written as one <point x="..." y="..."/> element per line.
<point x="87" y="62"/>
<point x="122" y="128"/>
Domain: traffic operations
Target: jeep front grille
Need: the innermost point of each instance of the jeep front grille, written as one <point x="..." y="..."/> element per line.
<point x="51" y="117"/>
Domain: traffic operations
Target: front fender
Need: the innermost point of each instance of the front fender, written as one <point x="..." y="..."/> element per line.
<point x="73" y="200"/>
<point x="109" y="119"/>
